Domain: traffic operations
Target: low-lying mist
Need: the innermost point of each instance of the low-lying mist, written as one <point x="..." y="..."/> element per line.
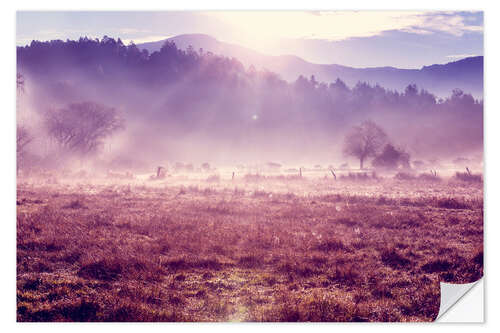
<point x="194" y="107"/>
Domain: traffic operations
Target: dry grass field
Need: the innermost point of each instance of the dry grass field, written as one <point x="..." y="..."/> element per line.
<point x="254" y="249"/>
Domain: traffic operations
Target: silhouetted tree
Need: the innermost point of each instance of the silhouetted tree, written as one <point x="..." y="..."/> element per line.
<point x="23" y="139"/>
<point x="20" y="82"/>
<point x="364" y="140"/>
<point x="81" y="127"/>
<point x="23" y="136"/>
<point x="392" y="158"/>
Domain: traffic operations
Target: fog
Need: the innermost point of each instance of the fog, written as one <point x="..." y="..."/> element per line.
<point x="194" y="107"/>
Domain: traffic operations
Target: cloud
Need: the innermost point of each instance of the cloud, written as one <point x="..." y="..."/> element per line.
<point x="416" y="30"/>
<point x="340" y="25"/>
<point x="451" y="23"/>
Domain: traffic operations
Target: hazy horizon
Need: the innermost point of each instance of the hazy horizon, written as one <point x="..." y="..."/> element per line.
<point x="219" y="102"/>
<point x="401" y="39"/>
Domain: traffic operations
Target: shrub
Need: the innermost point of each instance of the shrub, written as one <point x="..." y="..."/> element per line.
<point x="347" y="275"/>
<point x="437" y="266"/>
<point x="392" y="158"/>
<point x="333" y="245"/>
<point x="468" y="177"/>
<point x="429" y="177"/>
<point x="82" y="312"/>
<point x="102" y="270"/>
<point x="359" y="176"/>
<point x="346" y="221"/>
<point x="393" y="259"/>
<point x="404" y="176"/>
<point x="452" y="203"/>
<point x="75" y="204"/>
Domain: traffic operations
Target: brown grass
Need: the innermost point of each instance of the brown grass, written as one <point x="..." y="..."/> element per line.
<point x="139" y="253"/>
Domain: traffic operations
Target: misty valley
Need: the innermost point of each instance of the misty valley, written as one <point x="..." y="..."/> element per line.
<point x="178" y="184"/>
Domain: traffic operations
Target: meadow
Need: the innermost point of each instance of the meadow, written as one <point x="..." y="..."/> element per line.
<point x="253" y="248"/>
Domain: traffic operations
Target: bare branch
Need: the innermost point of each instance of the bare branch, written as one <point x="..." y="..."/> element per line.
<point x="82" y="127"/>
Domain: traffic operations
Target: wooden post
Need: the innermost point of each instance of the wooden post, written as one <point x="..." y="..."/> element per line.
<point x="468" y="171"/>
<point x="333" y="173"/>
<point x="300" y="172"/>
<point x="159" y="173"/>
<point x="233" y="176"/>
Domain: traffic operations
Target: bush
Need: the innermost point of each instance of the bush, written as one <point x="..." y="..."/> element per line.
<point x="84" y="311"/>
<point x="333" y="245"/>
<point x="395" y="260"/>
<point x="392" y="158"/>
<point x="437" y="266"/>
<point x="101" y="270"/>
<point x="452" y="203"/>
<point x="75" y="204"/>
<point x="429" y="177"/>
<point x="404" y="176"/>
<point x="468" y="177"/>
<point x="360" y="176"/>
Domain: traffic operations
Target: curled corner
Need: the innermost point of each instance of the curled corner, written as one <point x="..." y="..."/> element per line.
<point x="451" y="294"/>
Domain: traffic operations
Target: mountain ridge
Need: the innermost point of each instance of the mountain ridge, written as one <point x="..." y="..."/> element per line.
<point x="465" y="74"/>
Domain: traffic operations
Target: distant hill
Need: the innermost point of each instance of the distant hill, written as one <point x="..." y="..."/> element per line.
<point x="465" y="74"/>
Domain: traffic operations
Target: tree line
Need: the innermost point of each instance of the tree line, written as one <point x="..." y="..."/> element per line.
<point x="192" y="90"/>
<point x="110" y="59"/>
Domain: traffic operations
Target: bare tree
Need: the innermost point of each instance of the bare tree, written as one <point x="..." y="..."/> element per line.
<point x="81" y="127"/>
<point x="364" y="140"/>
<point x="20" y="82"/>
<point x="23" y="138"/>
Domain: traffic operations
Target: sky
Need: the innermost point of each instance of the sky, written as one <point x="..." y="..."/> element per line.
<point x="404" y="39"/>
